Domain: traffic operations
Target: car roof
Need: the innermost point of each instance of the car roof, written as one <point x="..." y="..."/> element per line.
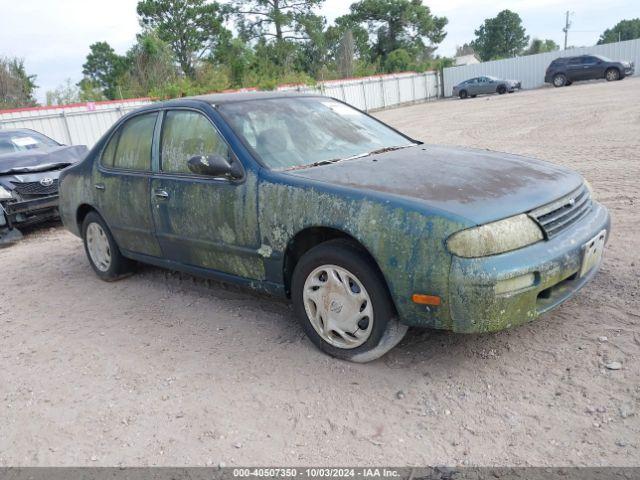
<point x="18" y="130"/>
<point x="218" y="98"/>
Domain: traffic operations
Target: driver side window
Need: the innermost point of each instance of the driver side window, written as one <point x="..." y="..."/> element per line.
<point x="187" y="134"/>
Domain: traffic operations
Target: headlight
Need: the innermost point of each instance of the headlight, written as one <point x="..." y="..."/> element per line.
<point x="497" y="237"/>
<point x="4" y="193"/>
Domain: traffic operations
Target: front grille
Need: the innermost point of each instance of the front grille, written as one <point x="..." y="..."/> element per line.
<point x="36" y="188"/>
<point x="558" y="215"/>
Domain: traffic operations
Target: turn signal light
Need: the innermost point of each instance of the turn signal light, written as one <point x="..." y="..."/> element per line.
<point x="425" y="299"/>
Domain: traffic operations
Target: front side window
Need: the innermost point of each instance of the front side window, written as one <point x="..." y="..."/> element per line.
<point x="130" y="147"/>
<point x="187" y="134"/>
<point x="299" y="131"/>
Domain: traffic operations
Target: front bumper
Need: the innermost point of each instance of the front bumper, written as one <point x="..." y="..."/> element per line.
<point x="476" y="307"/>
<point x="25" y="212"/>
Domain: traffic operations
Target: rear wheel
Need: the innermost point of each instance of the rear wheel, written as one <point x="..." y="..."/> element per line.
<point x="559" y="80"/>
<point x="463" y="94"/>
<point x="343" y="303"/>
<point x="102" y="251"/>
<point x="612" y="75"/>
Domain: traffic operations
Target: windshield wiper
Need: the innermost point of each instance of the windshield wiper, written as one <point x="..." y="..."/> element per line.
<point x="359" y="155"/>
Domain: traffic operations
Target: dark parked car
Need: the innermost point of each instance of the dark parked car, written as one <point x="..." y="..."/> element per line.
<point x="566" y="70"/>
<point x="365" y="229"/>
<point x="30" y="164"/>
<point x="485" y="85"/>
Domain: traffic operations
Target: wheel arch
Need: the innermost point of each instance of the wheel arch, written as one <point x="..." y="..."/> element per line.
<point x="309" y="237"/>
<point x="81" y="213"/>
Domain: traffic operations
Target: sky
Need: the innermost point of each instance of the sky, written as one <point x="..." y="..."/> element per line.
<point x="53" y="36"/>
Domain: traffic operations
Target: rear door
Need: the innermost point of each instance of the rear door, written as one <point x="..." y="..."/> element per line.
<point x="122" y="183"/>
<point x="203" y="221"/>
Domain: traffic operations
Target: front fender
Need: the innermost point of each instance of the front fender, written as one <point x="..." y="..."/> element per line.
<point x="406" y="242"/>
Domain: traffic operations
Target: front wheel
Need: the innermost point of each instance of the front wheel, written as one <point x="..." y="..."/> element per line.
<point x="343" y="303"/>
<point x="502" y="89"/>
<point x="102" y="251"/>
<point x="612" y="75"/>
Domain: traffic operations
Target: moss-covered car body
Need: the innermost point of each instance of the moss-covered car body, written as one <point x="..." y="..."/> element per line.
<point x="400" y="206"/>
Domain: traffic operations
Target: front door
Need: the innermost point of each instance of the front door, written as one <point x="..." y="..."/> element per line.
<point x="122" y="182"/>
<point x="203" y="221"/>
<point x="575" y="70"/>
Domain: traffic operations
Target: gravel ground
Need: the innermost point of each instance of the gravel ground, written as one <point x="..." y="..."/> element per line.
<point x="166" y="369"/>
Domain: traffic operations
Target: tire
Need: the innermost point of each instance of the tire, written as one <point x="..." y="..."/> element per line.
<point x="474" y="96"/>
<point x="612" y="74"/>
<point x="102" y="251"/>
<point x="463" y="94"/>
<point x="501" y="89"/>
<point x="352" y="316"/>
<point x="567" y="83"/>
<point x="559" y="80"/>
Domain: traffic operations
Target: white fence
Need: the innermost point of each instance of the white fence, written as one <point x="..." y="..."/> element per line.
<point x="84" y="124"/>
<point x="530" y="69"/>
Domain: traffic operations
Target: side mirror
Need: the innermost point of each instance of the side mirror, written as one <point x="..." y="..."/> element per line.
<point x="216" y="166"/>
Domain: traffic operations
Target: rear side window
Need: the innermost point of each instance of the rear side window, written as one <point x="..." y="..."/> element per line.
<point x="187" y="134"/>
<point x="109" y="152"/>
<point x="130" y="146"/>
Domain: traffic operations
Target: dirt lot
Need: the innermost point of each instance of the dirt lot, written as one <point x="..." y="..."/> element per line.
<point x="165" y="369"/>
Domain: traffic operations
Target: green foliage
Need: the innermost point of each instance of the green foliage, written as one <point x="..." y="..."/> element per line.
<point x="64" y="94"/>
<point x="192" y="28"/>
<point x="273" y="19"/>
<point x="541" y="46"/>
<point x="399" y="24"/>
<point x="185" y="48"/>
<point x="500" y="37"/>
<point x="623" y="30"/>
<point x="16" y="85"/>
<point x="151" y="66"/>
<point x="104" y="68"/>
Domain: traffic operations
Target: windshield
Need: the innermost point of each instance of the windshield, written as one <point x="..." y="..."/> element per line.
<point x="11" y="142"/>
<point x="303" y="131"/>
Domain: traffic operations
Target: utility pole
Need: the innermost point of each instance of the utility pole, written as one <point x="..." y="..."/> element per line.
<point x="567" y="25"/>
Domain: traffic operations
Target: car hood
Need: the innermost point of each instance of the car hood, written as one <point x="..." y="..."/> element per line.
<point x="41" y="159"/>
<point x="479" y="185"/>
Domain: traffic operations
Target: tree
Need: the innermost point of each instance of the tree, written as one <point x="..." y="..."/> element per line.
<point x="500" y="37"/>
<point x="274" y="19"/>
<point x="192" y="28"/>
<point x="104" y="68"/>
<point x="399" y="24"/>
<point x="541" y="46"/>
<point x="17" y="87"/>
<point x="64" y="94"/>
<point x="623" y="30"/>
<point x="345" y="55"/>
<point x="151" y="65"/>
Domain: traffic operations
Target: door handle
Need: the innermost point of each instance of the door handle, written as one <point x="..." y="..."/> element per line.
<point x="99" y="186"/>
<point x="161" y="193"/>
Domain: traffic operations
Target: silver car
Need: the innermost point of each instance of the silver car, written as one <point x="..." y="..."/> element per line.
<point x="483" y="85"/>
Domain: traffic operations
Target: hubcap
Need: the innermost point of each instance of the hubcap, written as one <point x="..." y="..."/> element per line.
<point x="558" y="81"/>
<point x="98" y="246"/>
<point x="612" y="75"/>
<point x="338" y="306"/>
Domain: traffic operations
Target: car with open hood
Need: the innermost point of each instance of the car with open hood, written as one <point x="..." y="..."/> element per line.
<point x="366" y="230"/>
<point x="30" y="165"/>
